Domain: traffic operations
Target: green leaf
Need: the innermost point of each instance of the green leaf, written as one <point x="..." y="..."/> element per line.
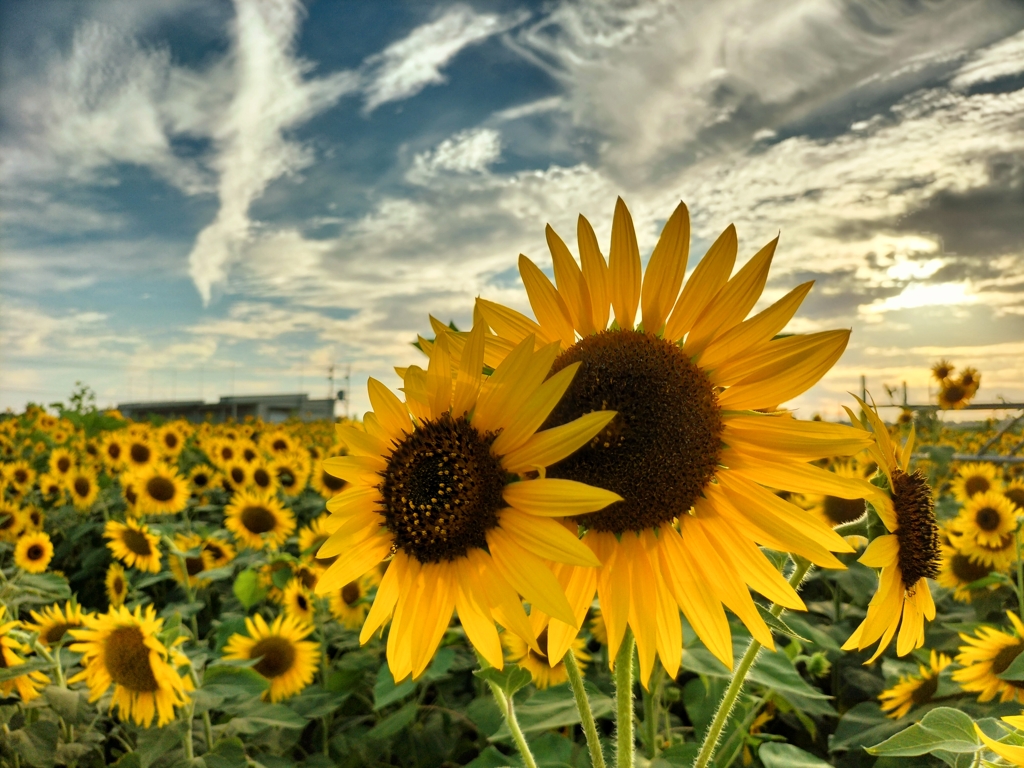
<point x="492" y="758"/>
<point x="1015" y="671"/>
<point x="385" y="691"/>
<point x="394" y="723"/>
<point x="860" y="726"/>
<point x="247" y="588"/>
<point x="226" y="753"/>
<point x="258" y="716"/>
<point x="152" y="744"/>
<point x="149" y="581"/>
<point x="65" y="702"/>
<point x="510" y="679"/>
<point x="682" y="755"/>
<point x="777" y="625"/>
<point x="36" y="743"/>
<point x="944" y="728"/>
<point x="313" y="703"/>
<point x="17" y="670"/>
<point x="775" y="755"/>
<point x="225" y="680"/>
<point x="554" y="708"/>
<point x="128" y="760"/>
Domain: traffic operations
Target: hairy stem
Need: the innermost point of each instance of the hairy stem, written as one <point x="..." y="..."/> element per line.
<point x="624" y="746"/>
<point x="507" y="707"/>
<point x="586" y="713"/>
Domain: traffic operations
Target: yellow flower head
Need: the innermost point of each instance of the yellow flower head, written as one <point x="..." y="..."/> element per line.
<point x="258" y="520"/>
<point x="914" y="690"/>
<point x="988" y="518"/>
<point x="545" y="671"/>
<point x="133" y="544"/>
<point x="53" y="622"/>
<point x="28" y="685"/>
<point x="33" y="552"/>
<point x="989" y="653"/>
<point x="292" y="472"/>
<point x="958" y="570"/>
<point x="942" y="370"/>
<point x="82" y="487"/>
<point x="12" y="521"/>
<point x="160" y="489"/>
<point x="297" y="601"/>
<point x="286" y="658"/>
<point x="350" y="604"/>
<point x="117" y="585"/>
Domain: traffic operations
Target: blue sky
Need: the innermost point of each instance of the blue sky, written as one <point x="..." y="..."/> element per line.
<point x="205" y="197"/>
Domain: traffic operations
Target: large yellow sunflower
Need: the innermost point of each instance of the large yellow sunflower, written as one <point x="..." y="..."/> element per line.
<point x="545" y="672"/>
<point x="133" y="544"/>
<point x="695" y="463"/>
<point x="52" y="623"/>
<point x="117" y="585"/>
<point x="286" y="658"/>
<point x="33" y="552"/>
<point x="160" y="489"/>
<point x="123" y="648"/>
<point x="914" y="690"/>
<point x="258" y="520"/>
<point x="988" y="518"/>
<point x="972" y="479"/>
<point x="31" y="683"/>
<point x="908" y="556"/>
<point x="450" y="496"/>
<point x="350" y="603"/>
<point x="987" y="655"/>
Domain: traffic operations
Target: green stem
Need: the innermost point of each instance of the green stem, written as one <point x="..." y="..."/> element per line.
<point x="325" y="721"/>
<point x="189" y="592"/>
<point x="624" y="744"/>
<point x="507" y="707"/>
<point x="586" y="713"/>
<point x="207" y="725"/>
<point x="725" y="706"/>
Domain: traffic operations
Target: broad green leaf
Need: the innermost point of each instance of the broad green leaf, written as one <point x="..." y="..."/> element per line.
<point x="944" y="728"/>
<point x="510" y="679"/>
<point x="394" y="723"/>
<point x="152" y="744"/>
<point x="1015" y="671"/>
<point x="775" y="755"/>
<point x="777" y="625"/>
<point x="862" y="725"/>
<point x="226" y="680"/>
<point x="17" y="670"/>
<point x="247" y="588"/>
<point x="554" y="708"/>
<point x="36" y="743"/>
<point x="226" y="753"/>
<point x="681" y="755"/>
<point x="385" y="691"/>
<point x="257" y="716"/>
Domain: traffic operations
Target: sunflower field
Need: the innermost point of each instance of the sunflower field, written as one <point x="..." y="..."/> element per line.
<point x="533" y="556"/>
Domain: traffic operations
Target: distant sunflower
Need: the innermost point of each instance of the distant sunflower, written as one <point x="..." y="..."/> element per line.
<point x="972" y="479"/>
<point x="286" y="658"/>
<point x="161" y="490"/>
<point x="237" y="474"/>
<point x="694" y="461"/>
<point x="33" y="552"/>
<point x="957" y="571"/>
<point x="987" y="518"/>
<point x="83" y="488"/>
<point x="113" y="451"/>
<point x="28" y="685"/>
<point x="258" y="520"/>
<point x="942" y="370"/>
<point x="914" y="690"/>
<point x="21" y="476"/>
<point x="834" y="510"/>
<point x="292" y="472"/>
<point x="313" y="536"/>
<point x="222" y="452"/>
<point x="278" y="442"/>
<point x="970" y="380"/>
<point x="117" y="585"/>
<point x="1015" y="493"/>
<point x="219" y="551"/>
<point x="954" y="395"/>
<point x="324" y="483"/>
<point x="33" y="517"/>
<point x="123" y="648"/>
<point x="202" y="478"/>
<point x="598" y="629"/>
<point x="545" y="672"/>
<point x="998" y="556"/>
<point x="195" y="564"/>
<point x="447" y="496"/>
<point x="133" y="544"/>
<point x="261" y="477"/>
<point x="350" y="603"/>
<point x="51" y="488"/>
<point x="12" y="521"/>
<point x="61" y="462"/>
<point x="140" y="452"/>
<point x="248" y="451"/>
<point x="906" y="417"/>
<point x="297" y="601"/>
<point x="52" y="623"/>
<point x="170" y="439"/>
<point x="908" y="556"/>
<point x="989" y="653"/>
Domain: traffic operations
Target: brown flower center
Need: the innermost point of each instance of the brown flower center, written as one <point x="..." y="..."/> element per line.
<point x="63" y="464"/>
<point x="924" y="692"/>
<point x="966" y="569"/>
<point x="285" y="477"/>
<point x="55" y="632"/>
<point x="114" y="451"/>
<point x="238" y="475"/>
<point x="171" y="440"/>
<point x="988" y="519"/>
<point x="351" y="593"/>
<point x="82" y="486"/>
<point x="200" y="479"/>
<point x="126" y="657"/>
<point x="258" y="519"/>
<point x="278" y="445"/>
<point x="1005" y="657"/>
<point x="194" y="565"/>
<point x="916" y="531"/>
<point x="137" y="542"/>
<point x="278" y="656"/>
<point x="542" y="643"/>
<point x="160" y="488"/>
<point x="35" y="552"/>
<point x="1016" y="495"/>
<point x="976" y="484"/>
<point x="662" y="448"/>
<point x="140" y="453"/>
<point x="261" y="477"/>
<point x="841" y="511"/>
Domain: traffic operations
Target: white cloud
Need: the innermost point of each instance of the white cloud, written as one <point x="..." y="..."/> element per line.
<point x="470" y="151"/>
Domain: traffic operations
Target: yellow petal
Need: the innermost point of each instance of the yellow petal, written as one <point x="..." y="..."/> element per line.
<point x="494" y="391"/>
<point x="471" y="365"/>
<point x="579" y="584"/>
<point x="643" y="605"/>
<point x="417" y="396"/>
<point x="624" y="267"/>
<point x="555" y="497"/>
<point x="354" y="468"/>
<point x="353" y="499"/>
<point x="547" y="538"/>
<point x="384" y="602"/>
<point x="439" y="378"/>
<point x="390" y="411"/>
<point x="538" y="406"/>
<point x="1009" y="752"/>
<point x="502" y="598"/>
<point x="528" y="574"/>
<point x="349" y="533"/>
<point x="765" y="361"/>
<point x="548" y="305"/>
<point x="783" y="437"/>
<point x="665" y="270"/>
<point x="595" y="272"/>
<point x="881" y="552"/>
<point x="510" y="324"/>
<point x="552" y="445"/>
<point x="373" y="427"/>
<point x="476" y="618"/>
<point x="355" y="563"/>
<point x="436" y="604"/>
<point x="358" y="441"/>
<point x="571" y="283"/>
<point x="612" y="590"/>
<point x="708" y="277"/>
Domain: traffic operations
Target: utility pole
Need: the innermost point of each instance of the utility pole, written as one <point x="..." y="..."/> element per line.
<point x="330" y="381"/>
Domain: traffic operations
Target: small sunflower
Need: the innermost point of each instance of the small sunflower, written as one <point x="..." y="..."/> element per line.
<point x="997" y="557"/>
<point x="262" y="478"/>
<point x="51" y="488"/>
<point x="350" y="603"/>
<point x="33" y="552"/>
<point x="942" y="370"/>
<point x="988" y="654"/>
<point x="957" y="571"/>
<point x="133" y="544"/>
<point x="908" y="556"/>
<point x="258" y="520"/>
<point x="52" y="623"/>
<point x="297" y="601"/>
<point x="170" y="439"/>
<point x="248" y="451"/>
<point x="292" y="472"/>
<point x="545" y="672"/>
<point x="33" y="517"/>
<point x="313" y="536"/>
<point x="237" y="474"/>
<point x="21" y="476"/>
<point x="323" y="482"/>
<point x="987" y="518"/>
<point x="975" y="478"/>
<point x="12" y="521"/>
<point x="117" y="585"/>
<point x="140" y="452"/>
<point x="195" y="564"/>
<point x="278" y="442"/>
<point x="1015" y="493"/>
<point x="113" y="451"/>
<point x="123" y="648"/>
<point x="31" y="683"/>
<point x="914" y="690"/>
<point x="286" y="658"/>
<point x="82" y="485"/>
<point x="161" y="490"/>
<point x="970" y="380"/>
<point x="219" y="551"/>
<point x="906" y="417"/>
<point x="834" y="510"/>
<point x="61" y="462"/>
<point x="202" y="478"/>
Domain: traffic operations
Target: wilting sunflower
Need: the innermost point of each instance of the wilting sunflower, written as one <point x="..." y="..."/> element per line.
<point x="297" y="601"/>
<point x="53" y="622"/>
<point x="123" y="648"/>
<point x="258" y="520"/>
<point x="220" y="552"/>
<point x="62" y="461"/>
<point x="989" y="653"/>
<point x="12" y="521"/>
<point x="350" y="603"/>
<point x="695" y="463"/>
<point x="261" y="477"/>
<point x="545" y="672"/>
<point x="987" y="518"/>
<point x="292" y="472"/>
<point x="908" y="556"/>
<point x="972" y="479"/>
<point x="914" y="690"/>
<point x="970" y="380"/>
<point x="195" y="564"/>
<point x="942" y="370"/>
<point x="31" y="683"/>
<point x="449" y="499"/>
<point x="834" y="510"/>
<point x="313" y="536"/>
<point x="83" y="488"/>
<point x="140" y="452"/>
<point x="161" y="490"/>
<point x="133" y="544"/>
<point x="286" y="658"/>
<point x="33" y="552"/>
<point x="957" y="571"/>
<point x="117" y="585"/>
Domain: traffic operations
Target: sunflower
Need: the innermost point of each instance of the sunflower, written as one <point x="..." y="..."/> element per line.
<point x="957" y="571"/>
<point x="33" y="552"/>
<point x="140" y="452"/>
<point x="261" y="477"/>
<point x="117" y="585"/>
<point x="12" y="521"/>
<point x="350" y="603"/>
<point x="82" y="485"/>
<point x="202" y="478"/>
<point x="113" y="450"/>
<point x="914" y="690"/>
<point x="954" y="395"/>
<point x="972" y="479"/>
<point x="906" y="417"/>
<point x="258" y="520"/>
<point x="998" y="556"/>
<point x="313" y="536"/>
<point x="51" y="487"/>
<point x="908" y="556"/>
<point x="942" y="370"/>
<point x="545" y="672"/>
<point x="987" y="518"/>
<point x="220" y="552"/>
<point x="161" y="490"/>
<point x="171" y="439"/>
<point x="970" y="380"/>
<point x="194" y="564"/>
<point x="694" y="461"/>
<point x="53" y="623"/>
<point x="451" y="498"/>
<point x="323" y="482"/>
<point x="123" y="648"/>
<point x="598" y="629"/>
<point x="286" y="658"/>
<point x="248" y="451"/>
<point x="21" y="476"/>
<point x="834" y="510"/>
<point x="297" y="601"/>
<point x="987" y="655"/>
<point x="292" y="472"/>
<point x="133" y="544"/>
<point x="237" y="474"/>
<point x="1015" y="493"/>
<point x="31" y="683"/>
<point x="33" y="517"/>
<point x="278" y="442"/>
<point x="61" y="462"/>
